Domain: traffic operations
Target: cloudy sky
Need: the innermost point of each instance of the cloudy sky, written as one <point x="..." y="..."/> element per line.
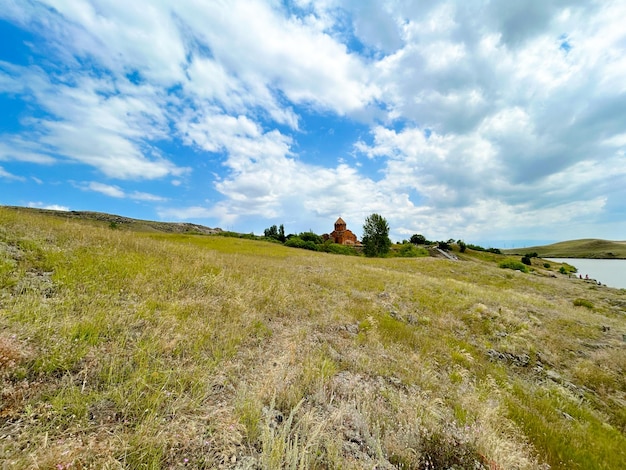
<point x="490" y="121"/>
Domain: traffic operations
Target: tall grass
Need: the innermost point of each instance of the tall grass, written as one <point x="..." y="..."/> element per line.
<point x="123" y="349"/>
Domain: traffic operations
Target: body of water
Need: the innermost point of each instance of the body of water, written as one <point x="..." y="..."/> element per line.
<point x="611" y="272"/>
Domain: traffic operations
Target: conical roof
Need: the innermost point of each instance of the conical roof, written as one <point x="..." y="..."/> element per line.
<point x="340" y="221"/>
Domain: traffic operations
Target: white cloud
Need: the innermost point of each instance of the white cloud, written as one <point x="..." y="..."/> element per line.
<point x="139" y="196"/>
<point x="52" y="207"/>
<point x="99" y="122"/>
<point x="119" y="193"/>
<point x="9" y="176"/>
<point x="106" y="189"/>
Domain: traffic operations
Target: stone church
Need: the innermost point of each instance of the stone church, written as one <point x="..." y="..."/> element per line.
<point x="341" y="234"/>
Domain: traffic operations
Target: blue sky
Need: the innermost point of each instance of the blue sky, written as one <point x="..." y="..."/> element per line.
<point x="491" y="121"/>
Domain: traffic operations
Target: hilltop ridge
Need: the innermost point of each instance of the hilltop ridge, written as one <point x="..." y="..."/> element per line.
<point x="582" y="248"/>
<point x="121" y="222"/>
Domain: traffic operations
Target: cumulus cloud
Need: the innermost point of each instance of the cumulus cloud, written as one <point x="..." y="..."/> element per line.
<point x="475" y="115"/>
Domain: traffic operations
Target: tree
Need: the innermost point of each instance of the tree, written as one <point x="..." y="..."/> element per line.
<point x="376" y="240"/>
<point x="418" y="239"/>
<point x="271" y="232"/>
<point x="443" y="245"/>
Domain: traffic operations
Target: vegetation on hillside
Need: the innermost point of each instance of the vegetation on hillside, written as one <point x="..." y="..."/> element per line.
<point x="123" y="349"/>
<point x="585" y="248"/>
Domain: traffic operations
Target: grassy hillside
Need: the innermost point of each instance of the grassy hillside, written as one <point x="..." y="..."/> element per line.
<point x="584" y="248"/>
<point x="123" y="349"/>
<point x="118" y="222"/>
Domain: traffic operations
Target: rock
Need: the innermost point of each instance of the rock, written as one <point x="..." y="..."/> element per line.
<point x="552" y="375"/>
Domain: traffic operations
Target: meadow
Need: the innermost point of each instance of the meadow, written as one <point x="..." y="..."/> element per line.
<point x="135" y="349"/>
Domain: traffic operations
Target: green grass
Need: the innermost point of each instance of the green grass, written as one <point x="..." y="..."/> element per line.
<point x="143" y="349"/>
<point x="584" y="248"/>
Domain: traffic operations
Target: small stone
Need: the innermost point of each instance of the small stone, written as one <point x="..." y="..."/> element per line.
<point x="552" y="375"/>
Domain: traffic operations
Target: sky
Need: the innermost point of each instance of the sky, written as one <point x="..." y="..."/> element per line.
<point x="497" y="122"/>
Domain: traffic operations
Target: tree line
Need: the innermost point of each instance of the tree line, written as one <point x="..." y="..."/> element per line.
<point x="375" y="241"/>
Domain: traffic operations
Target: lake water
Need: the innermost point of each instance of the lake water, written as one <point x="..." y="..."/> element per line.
<point x="611" y="272"/>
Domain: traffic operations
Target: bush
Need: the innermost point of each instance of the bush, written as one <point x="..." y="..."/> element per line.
<point x="526" y="260"/>
<point x="546" y="265"/>
<point x="569" y="268"/>
<point x="480" y="248"/>
<point x="409" y="251"/>
<point x="311" y="237"/>
<point x="443" y="245"/>
<point x="297" y="242"/>
<point x="338" y="249"/>
<point x="513" y="264"/>
<point x="583" y="303"/>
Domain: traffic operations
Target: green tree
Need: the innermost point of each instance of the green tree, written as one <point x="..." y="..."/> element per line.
<point x="277" y="233"/>
<point x="418" y="239"/>
<point x="271" y="232"/>
<point x="376" y="240"/>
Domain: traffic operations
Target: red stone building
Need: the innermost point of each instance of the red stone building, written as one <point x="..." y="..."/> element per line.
<point x="341" y="234"/>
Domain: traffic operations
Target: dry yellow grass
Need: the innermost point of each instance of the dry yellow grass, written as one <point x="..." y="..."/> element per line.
<point x="145" y="350"/>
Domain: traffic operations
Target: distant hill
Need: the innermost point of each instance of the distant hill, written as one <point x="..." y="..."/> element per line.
<point x="583" y="248"/>
<point x="124" y="223"/>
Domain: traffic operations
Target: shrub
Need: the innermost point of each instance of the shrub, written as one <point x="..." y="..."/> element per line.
<point x="513" y="264"/>
<point x="443" y="245"/>
<point x="311" y="237"/>
<point x="526" y="260"/>
<point x="297" y="242"/>
<point x="480" y="248"/>
<point x="338" y="249"/>
<point x="569" y="268"/>
<point x="583" y="303"/>
<point x="409" y="251"/>
<point x="546" y="265"/>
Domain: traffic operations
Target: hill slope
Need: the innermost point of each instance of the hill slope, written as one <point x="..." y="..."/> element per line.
<point x="120" y="222"/>
<point x="583" y="248"/>
<point x="123" y="349"/>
